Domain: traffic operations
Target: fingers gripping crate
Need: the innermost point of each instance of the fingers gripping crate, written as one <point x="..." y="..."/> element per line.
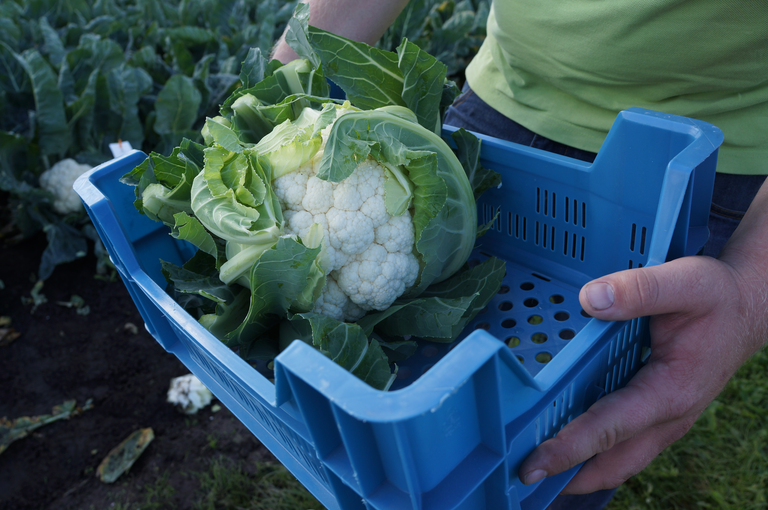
<point x="460" y="418"/>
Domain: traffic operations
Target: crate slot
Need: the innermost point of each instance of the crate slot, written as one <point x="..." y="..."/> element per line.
<point x="488" y="213"/>
<point x="547" y="237"/>
<point x="517" y="227"/>
<point x="624" y="353"/>
<point x="638" y="239"/>
<point x="552" y="419"/>
<point x="546" y="202"/>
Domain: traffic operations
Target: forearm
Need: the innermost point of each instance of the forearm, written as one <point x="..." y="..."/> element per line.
<point x="359" y="20"/>
<point x="747" y="253"/>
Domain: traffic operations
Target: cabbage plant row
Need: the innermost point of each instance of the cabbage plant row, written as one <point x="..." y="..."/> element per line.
<point x="79" y="75"/>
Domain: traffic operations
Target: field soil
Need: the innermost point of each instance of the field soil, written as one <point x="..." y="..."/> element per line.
<point x="106" y="358"/>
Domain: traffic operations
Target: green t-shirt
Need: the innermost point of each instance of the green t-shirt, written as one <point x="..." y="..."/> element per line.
<point x="564" y="69"/>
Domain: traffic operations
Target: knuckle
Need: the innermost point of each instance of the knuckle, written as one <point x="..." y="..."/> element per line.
<point x="646" y="288"/>
<point x="570" y="443"/>
<point x="606" y="439"/>
<point x="605" y="436"/>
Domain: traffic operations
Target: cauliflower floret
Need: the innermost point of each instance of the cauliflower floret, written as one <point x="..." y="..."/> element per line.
<point x="291" y="189"/>
<point x="59" y="180"/>
<point x="335" y="304"/>
<point x="352" y="312"/>
<point x="376" y="209"/>
<point x="336" y="258"/>
<point x="375" y="278"/>
<point x="365" y="182"/>
<point x="396" y="235"/>
<point x="350" y="232"/>
<point x="298" y="222"/>
<point x="319" y="196"/>
<point x="331" y="301"/>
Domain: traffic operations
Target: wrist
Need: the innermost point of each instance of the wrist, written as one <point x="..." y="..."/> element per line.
<point x="751" y="279"/>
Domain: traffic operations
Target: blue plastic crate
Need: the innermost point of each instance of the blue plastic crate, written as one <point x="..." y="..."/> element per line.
<point x="461" y="417"/>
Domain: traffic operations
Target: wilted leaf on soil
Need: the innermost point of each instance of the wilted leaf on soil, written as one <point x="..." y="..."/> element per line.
<point x="8" y="335"/>
<point x="10" y="431"/>
<point x="122" y="457"/>
<point x="36" y="298"/>
<point x="77" y="303"/>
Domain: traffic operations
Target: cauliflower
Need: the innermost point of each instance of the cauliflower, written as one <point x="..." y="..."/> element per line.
<point x="59" y="180"/>
<point x="368" y="253"/>
<point x="383" y="204"/>
<point x="189" y="394"/>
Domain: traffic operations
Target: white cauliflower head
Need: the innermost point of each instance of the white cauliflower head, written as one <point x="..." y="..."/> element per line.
<point x="59" y="180"/>
<point x="368" y="253"/>
<point x="189" y="394"/>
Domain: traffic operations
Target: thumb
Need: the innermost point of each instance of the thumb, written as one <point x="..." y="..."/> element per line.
<point x="682" y="285"/>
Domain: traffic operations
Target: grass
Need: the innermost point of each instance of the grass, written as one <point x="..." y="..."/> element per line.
<point x="226" y="485"/>
<point x="156" y="496"/>
<point x="723" y="460"/>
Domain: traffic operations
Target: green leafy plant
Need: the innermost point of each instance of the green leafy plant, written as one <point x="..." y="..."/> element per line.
<point x="347" y="224"/>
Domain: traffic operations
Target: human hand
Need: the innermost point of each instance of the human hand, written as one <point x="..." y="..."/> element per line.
<point x="709" y="316"/>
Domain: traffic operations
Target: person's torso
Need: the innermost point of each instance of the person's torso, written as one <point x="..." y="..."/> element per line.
<point x="579" y="62"/>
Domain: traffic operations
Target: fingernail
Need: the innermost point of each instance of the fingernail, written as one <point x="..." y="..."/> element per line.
<point x="534" y="476"/>
<point x="600" y="295"/>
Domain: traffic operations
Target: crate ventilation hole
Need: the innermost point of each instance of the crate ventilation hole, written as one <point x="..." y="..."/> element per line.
<point x="638" y="239"/>
<point x="534" y="316"/>
<point x="571" y="214"/>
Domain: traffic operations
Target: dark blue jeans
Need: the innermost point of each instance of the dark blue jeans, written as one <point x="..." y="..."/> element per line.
<point x="732" y="195"/>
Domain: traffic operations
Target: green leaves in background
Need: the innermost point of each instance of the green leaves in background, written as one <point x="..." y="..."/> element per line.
<point x="76" y="76"/>
<point x="450" y="31"/>
<point x="176" y="106"/>
<point x="53" y="132"/>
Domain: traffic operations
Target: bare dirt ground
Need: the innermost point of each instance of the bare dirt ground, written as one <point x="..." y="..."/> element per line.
<point x="108" y="357"/>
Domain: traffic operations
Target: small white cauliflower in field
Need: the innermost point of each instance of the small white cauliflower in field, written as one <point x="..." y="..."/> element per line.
<point x="59" y="180"/>
<point x="368" y="253"/>
<point x="189" y="394"/>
